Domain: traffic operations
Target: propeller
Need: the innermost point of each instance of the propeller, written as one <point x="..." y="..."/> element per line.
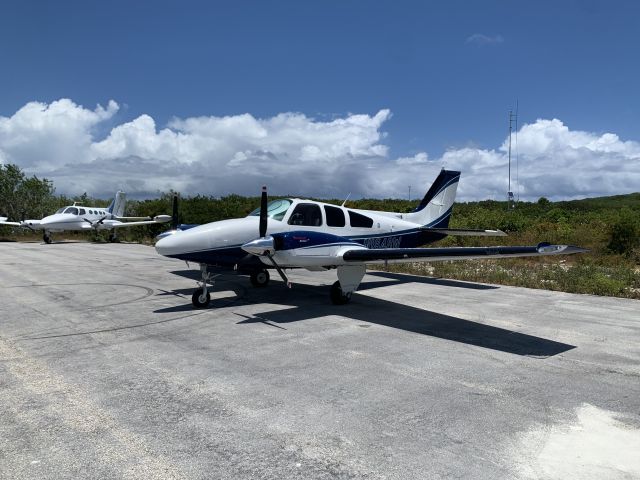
<point x="174" y="213"/>
<point x="263" y="212"/>
<point x="96" y="223"/>
<point x="265" y="245"/>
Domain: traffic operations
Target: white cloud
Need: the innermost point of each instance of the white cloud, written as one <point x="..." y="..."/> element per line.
<point x="297" y="155"/>
<point x="481" y="39"/>
<point x="41" y="136"/>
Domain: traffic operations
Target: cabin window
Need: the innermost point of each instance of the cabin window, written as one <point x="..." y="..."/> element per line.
<point x="335" y="216"/>
<point x="82" y="211"/>
<point x="276" y="209"/>
<point x="359" y="221"/>
<point x="306" y="215"/>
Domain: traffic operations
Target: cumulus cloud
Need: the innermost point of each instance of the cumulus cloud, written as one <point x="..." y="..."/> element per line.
<point x="41" y="136"/>
<point x="297" y="155"/>
<point x="481" y="39"/>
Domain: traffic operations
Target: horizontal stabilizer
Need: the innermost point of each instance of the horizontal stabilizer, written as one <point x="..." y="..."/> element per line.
<point x="465" y="232"/>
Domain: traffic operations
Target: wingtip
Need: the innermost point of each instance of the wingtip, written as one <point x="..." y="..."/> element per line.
<point x="560" y="249"/>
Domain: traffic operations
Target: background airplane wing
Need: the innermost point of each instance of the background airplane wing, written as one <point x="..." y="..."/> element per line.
<point x="3" y="221"/>
<point x="26" y="224"/>
<point x="157" y="219"/>
<point x="406" y="255"/>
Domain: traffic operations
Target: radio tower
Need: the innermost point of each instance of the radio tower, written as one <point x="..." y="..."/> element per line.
<point x="512" y="117"/>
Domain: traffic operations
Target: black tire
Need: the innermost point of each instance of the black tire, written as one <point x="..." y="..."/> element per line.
<point x="337" y="297"/>
<point x="260" y="278"/>
<point x="199" y="302"/>
<point x="112" y="238"/>
<point x="46" y="238"/>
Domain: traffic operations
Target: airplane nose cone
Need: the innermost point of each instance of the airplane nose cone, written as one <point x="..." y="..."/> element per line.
<point x="178" y="243"/>
<point x="166" y="246"/>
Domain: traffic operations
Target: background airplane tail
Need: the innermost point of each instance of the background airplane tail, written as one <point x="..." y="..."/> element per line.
<point x="116" y="208"/>
<point x="434" y="210"/>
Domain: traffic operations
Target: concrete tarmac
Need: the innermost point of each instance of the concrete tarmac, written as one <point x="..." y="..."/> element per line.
<point x="106" y="371"/>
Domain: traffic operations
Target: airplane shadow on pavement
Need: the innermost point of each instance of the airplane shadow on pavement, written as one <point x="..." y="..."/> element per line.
<point x="311" y="301"/>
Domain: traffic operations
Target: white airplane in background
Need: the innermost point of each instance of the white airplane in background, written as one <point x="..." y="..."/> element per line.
<point x="80" y="218"/>
<point x="296" y="233"/>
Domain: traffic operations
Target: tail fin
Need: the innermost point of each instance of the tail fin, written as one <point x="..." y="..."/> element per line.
<point x="435" y="208"/>
<point x="116" y="208"/>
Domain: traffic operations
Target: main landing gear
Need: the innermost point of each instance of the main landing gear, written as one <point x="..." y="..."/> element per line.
<point x="260" y="278"/>
<point x="337" y="296"/>
<point x="112" y="237"/>
<point x="46" y="237"/>
<point x="201" y="297"/>
<point x="349" y="278"/>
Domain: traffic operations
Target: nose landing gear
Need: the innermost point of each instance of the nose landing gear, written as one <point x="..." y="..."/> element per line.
<point x="201" y="296"/>
<point x="46" y="238"/>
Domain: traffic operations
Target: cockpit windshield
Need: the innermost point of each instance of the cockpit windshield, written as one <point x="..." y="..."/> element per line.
<point x="60" y="210"/>
<point x="276" y="209"/>
<point x="72" y="210"/>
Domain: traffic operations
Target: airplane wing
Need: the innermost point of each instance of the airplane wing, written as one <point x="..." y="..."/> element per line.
<point x="465" y="232"/>
<point x="3" y="221"/>
<point x="25" y="224"/>
<point x="156" y="219"/>
<point x="408" y="255"/>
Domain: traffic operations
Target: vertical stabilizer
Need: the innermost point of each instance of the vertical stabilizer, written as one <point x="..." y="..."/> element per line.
<point x="435" y="208"/>
<point x="117" y="205"/>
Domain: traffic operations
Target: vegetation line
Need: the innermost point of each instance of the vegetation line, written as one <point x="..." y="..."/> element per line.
<point x="608" y="226"/>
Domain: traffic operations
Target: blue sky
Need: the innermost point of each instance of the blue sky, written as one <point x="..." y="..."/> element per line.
<point x="447" y="71"/>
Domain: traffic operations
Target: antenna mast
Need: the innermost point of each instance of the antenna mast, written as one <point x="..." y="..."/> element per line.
<point x="512" y="117"/>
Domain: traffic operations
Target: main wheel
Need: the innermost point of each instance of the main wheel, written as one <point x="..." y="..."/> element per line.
<point x="199" y="300"/>
<point x="46" y="238"/>
<point x="337" y="297"/>
<point x="113" y="238"/>
<point x="260" y="278"/>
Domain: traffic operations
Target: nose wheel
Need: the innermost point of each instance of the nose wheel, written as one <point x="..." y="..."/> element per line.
<point x="201" y="297"/>
<point x="46" y="238"/>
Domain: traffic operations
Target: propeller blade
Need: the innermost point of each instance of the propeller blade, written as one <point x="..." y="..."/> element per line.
<point x="174" y="213"/>
<point x="263" y="212"/>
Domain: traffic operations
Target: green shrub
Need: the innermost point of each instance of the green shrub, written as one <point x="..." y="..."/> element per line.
<point x="624" y="233"/>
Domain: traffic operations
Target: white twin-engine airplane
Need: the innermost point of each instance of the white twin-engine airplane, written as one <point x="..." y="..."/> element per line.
<point x="77" y="217"/>
<point x="295" y="233"/>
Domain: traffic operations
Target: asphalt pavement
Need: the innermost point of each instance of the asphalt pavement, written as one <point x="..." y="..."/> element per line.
<point x="106" y="371"/>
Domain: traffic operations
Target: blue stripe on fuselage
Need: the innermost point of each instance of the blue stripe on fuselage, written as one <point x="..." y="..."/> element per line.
<point x="228" y="257"/>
